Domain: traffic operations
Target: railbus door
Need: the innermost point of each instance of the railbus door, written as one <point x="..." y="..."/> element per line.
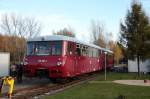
<point x="71" y="58"/>
<point x="77" y="59"/>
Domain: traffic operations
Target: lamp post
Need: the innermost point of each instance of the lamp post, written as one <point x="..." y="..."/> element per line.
<point x="105" y="65"/>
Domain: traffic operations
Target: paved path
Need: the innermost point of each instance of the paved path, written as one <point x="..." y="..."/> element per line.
<point x="133" y="82"/>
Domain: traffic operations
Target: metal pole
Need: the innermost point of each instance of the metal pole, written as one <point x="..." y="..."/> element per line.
<point x="105" y="66"/>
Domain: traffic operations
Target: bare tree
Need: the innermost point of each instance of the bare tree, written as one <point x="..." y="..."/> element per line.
<point x="20" y="26"/>
<point x="97" y="34"/>
<point x="18" y="29"/>
<point x="33" y="27"/>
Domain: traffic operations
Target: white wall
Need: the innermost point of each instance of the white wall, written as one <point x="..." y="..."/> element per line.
<point x="4" y="64"/>
<point x="144" y="66"/>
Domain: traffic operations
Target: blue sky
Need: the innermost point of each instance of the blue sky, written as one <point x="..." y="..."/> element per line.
<point x="57" y="14"/>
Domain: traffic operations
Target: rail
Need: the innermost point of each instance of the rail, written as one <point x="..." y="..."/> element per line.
<point x="38" y="91"/>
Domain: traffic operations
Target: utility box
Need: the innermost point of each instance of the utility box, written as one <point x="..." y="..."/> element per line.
<point x="4" y="64"/>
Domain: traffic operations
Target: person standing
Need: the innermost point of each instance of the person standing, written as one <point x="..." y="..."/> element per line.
<point x="13" y="70"/>
<point x="19" y="73"/>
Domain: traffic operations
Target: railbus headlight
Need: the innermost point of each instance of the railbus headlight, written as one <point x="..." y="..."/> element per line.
<point x="59" y="63"/>
<point x="25" y="63"/>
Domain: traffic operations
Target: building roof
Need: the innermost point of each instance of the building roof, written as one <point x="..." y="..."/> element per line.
<point x="64" y="38"/>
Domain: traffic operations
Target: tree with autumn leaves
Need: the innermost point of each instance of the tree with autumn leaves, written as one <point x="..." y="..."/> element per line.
<point x="14" y="45"/>
<point x="66" y="32"/>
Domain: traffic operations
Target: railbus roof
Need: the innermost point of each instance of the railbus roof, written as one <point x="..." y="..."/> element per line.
<point x="64" y="38"/>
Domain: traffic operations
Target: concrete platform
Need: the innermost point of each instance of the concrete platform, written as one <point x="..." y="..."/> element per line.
<point x="133" y="82"/>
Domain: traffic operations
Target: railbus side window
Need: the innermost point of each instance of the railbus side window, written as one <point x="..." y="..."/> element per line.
<point x="90" y="52"/>
<point x="86" y="48"/>
<point x="83" y="50"/>
<point x="110" y="56"/>
<point x="97" y="53"/>
<point x="100" y="52"/>
<point x="94" y="52"/>
<point x="78" y="50"/>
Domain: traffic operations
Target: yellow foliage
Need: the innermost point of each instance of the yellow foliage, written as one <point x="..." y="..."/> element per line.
<point x="14" y="45"/>
<point x="118" y="54"/>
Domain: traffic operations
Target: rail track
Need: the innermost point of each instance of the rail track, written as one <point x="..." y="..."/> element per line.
<point x="37" y="92"/>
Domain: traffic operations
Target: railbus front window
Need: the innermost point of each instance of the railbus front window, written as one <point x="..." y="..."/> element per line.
<point x="56" y="48"/>
<point x="44" y="48"/>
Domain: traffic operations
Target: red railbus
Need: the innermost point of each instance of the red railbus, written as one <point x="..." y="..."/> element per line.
<point x="61" y="57"/>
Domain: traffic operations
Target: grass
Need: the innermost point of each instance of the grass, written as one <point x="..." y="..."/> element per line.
<point x="120" y="76"/>
<point x="100" y="89"/>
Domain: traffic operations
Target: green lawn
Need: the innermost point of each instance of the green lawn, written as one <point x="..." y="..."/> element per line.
<point x="119" y="76"/>
<point x="100" y="89"/>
